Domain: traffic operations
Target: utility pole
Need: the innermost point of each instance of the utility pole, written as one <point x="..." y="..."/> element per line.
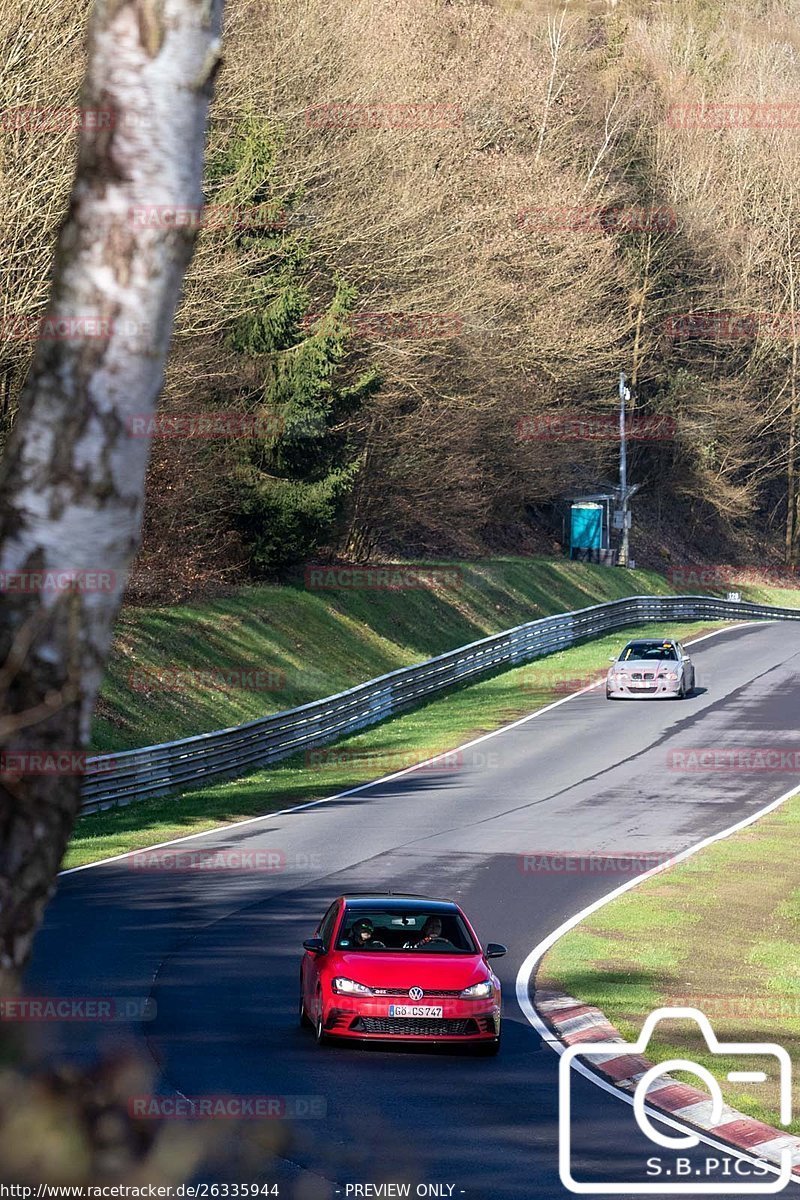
<point x="624" y="394"/>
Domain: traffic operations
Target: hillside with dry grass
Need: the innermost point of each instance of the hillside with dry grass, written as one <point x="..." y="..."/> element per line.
<point x="548" y="200"/>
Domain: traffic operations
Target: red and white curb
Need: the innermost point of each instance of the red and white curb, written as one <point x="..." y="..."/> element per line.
<point x="573" y="1023"/>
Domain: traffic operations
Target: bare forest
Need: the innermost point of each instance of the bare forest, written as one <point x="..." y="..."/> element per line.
<point x="512" y="202"/>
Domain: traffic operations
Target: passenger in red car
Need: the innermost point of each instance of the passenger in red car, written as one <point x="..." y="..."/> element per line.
<point x="364" y="936"/>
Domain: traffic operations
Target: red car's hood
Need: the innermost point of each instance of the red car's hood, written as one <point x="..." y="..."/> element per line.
<point x="405" y="970"/>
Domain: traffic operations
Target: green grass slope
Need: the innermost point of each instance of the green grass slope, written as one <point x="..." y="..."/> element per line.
<point x="189" y="668"/>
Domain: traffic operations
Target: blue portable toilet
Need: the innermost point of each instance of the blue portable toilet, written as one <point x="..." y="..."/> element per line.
<point x="586" y="528"/>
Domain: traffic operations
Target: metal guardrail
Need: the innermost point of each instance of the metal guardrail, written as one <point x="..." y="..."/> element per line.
<point x="118" y="779"/>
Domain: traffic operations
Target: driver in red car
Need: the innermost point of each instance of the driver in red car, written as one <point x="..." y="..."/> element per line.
<point x="431" y="932"/>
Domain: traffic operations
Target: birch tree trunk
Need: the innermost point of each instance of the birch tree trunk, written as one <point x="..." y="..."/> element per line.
<point x="72" y="483"/>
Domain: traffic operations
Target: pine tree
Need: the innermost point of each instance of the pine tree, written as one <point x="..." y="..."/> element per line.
<point x="291" y="481"/>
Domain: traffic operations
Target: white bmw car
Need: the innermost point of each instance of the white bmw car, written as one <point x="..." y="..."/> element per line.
<point x="652" y="669"/>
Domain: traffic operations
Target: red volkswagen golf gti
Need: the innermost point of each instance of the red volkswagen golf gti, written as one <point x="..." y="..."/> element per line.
<point x="400" y="968"/>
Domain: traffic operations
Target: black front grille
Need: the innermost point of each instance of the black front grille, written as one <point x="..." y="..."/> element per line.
<point x="404" y="992"/>
<point x="413" y="1027"/>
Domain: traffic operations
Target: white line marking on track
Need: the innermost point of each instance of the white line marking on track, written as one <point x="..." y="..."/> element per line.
<point x="525" y="973"/>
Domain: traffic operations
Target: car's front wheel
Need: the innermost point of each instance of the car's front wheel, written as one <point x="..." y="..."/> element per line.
<point x="302" y="1014"/>
<point x="489" y="1049"/>
<point x="319" y="1028"/>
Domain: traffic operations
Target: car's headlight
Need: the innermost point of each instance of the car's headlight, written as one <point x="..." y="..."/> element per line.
<point x="349" y="987"/>
<point x="672" y="676"/>
<point x="478" y="991"/>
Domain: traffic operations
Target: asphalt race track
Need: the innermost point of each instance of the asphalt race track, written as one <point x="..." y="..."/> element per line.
<point x="219" y="952"/>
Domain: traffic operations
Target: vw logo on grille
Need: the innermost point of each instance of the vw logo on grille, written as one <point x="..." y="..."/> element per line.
<point x="415" y="993"/>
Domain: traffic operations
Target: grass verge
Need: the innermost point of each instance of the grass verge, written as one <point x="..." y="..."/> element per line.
<point x="717" y="933"/>
<point x="439" y="725"/>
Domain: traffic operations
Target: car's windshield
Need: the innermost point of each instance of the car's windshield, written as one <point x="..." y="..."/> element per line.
<point x="659" y="651"/>
<point x="412" y="930"/>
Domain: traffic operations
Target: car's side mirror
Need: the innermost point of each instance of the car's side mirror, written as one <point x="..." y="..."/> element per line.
<point x="612" y="659"/>
<point x="495" y="950"/>
<point x="314" y="945"/>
